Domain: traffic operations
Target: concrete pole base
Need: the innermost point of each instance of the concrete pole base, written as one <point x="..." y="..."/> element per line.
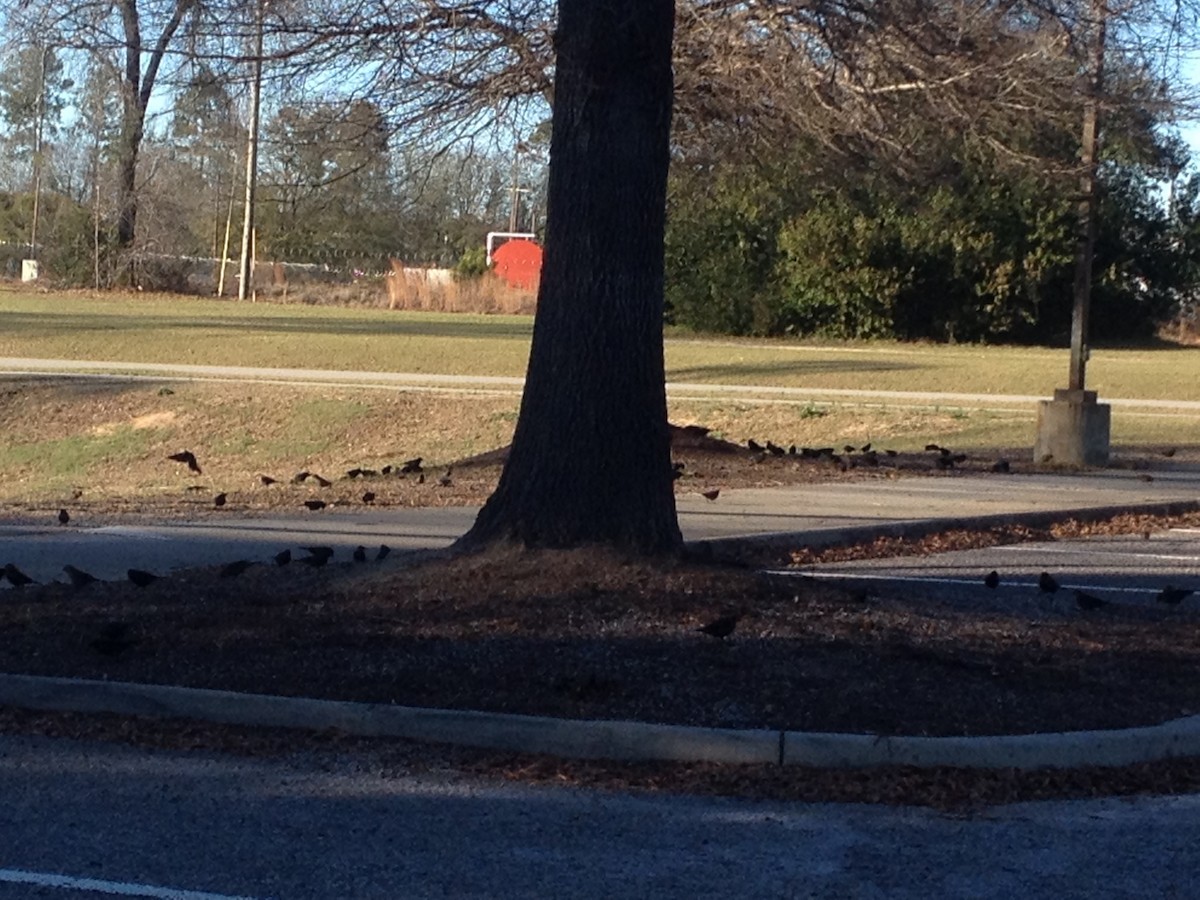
<point x="1073" y="430"/>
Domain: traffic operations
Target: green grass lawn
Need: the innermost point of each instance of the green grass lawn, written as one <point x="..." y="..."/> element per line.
<point x="224" y="332"/>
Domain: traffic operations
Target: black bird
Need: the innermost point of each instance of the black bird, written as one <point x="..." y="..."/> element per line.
<point x="267" y="480"/>
<point x="368" y="497"/>
<point x="140" y="578"/>
<point x="325" y="553"/>
<point x="15" y="576"/>
<point x="1169" y="452"/>
<point x="360" y="554"/>
<point x="849" y="448"/>
<point x="1088" y="601"/>
<point x="386" y="470"/>
<point x="711" y="495"/>
<point x="677" y="469"/>
<point x="865" y="447"/>
<point x="721" y="628"/>
<point x="300" y="477"/>
<point x="113" y="639"/>
<point x="79" y="578"/>
<point x="411" y="465"/>
<point x="369" y="473"/>
<point x="890" y="453"/>
<point x="1173" y="595"/>
<point x="1001" y="467"/>
<point x="755" y="447"/>
<point x="353" y="473"/>
<point x="384" y="550"/>
<point x="775" y="450"/>
<point x="446" y="480"/>
<point x="992" y="579"/>
<point x="187" y="456"/>
<point x="323" y="482"/>
<point x="219" y="501"/>
<point x="1047" y="584"/>
<point x="63" y="517"/>
<point x="235" y="568"/>
<point x="283" y="557"/>
<point x="933" y="448"/>
<point x="315" y="504"/>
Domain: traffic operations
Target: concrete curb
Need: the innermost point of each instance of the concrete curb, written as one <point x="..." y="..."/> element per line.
<point x="721" y="548"/>
<point x="588" y="739"/>
<point x="499" y="731"/>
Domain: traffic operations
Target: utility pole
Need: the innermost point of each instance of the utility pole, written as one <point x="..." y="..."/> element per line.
<point x="1085" y="249"/>
<point x="1073" y="429"/>
<point x="246" y="267"/>
<point x="38" y="134"/>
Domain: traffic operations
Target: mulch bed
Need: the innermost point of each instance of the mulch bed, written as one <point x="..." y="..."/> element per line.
<point x="586" y="634"/>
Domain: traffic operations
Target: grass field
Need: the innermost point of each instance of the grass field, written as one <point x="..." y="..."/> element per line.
<point x="213" y="332"/>
<point x="59" y="434"/>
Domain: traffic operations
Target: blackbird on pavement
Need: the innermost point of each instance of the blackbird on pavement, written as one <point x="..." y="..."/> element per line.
<point x="283" y="557"/>
<point x="1047" y="584"/>
<point x="360" y="554"/>
<point x="992" y="579"/>
<point x="63" y="517"/>
<point x="15" y="576"/>
<point x="384" y="550"/>
<point x="79" y="578"/>
<point x="711" y="495"/>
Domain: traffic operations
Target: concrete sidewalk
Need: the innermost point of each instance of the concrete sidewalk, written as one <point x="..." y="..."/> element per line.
<point x="789" y="516"/>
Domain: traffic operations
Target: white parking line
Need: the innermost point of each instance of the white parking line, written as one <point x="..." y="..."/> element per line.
<point x="121" y="888"/>
<point x="1031" y="548"/>
<point x="972" y="582"/>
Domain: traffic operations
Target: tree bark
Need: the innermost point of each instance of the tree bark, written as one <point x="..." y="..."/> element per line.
<point x="590" y="460"/>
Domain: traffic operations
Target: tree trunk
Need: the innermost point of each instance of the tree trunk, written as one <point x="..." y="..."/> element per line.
<point x="127" y="190"/>
<point x="590" y="459"/>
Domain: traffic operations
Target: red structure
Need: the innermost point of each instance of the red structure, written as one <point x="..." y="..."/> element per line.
<point x="519" y="262"/>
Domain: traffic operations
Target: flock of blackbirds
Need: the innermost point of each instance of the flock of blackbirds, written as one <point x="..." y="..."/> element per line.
<point x="408" y="467"/>
<point x="316" y="558"/>
<point x="724" y="626"/>
<point x="852" y="456"/>
<point x="1048" y="584"/>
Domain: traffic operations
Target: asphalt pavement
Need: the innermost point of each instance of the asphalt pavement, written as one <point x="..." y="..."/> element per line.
<point x="799" y="515"/>
<point x="85" y="819"/>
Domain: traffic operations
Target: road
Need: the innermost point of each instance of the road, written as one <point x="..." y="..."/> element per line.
<point x="40" y="547"/>
<point x="1128" y="570"/>
<point x="199" y="826"/>
<point x="510" y="385"/>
